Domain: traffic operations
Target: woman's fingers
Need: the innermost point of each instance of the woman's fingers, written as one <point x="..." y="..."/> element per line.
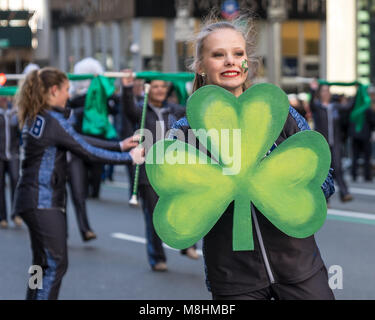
<point x="138" y="155"/>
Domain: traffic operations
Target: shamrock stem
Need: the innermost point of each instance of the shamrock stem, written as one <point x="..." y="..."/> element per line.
<point x="242" y="225"/>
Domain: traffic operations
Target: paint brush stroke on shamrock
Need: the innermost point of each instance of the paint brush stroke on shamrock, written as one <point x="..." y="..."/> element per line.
<point x="285" y="185"/>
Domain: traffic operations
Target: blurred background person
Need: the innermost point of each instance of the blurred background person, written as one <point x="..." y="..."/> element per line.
<point x="9" y="157"/>
<point x="327" y="115"/>
<point x="160" y="117"/>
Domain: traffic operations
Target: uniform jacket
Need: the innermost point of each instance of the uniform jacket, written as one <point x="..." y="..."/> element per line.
<point x="44" y="168"/>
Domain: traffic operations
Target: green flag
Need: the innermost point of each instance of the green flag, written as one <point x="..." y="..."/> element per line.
<point x="8" y="91"/>
<point x="362" y="101"/>
<point x="95" y="119"/>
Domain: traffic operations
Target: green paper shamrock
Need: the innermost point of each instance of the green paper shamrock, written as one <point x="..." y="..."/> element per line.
<point x="285" y="185"/>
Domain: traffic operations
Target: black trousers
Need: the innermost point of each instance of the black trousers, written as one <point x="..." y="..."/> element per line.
<point x="154" y="246"/>
<point x="48" y="234"/>
<point x="94" y="171"/>
<point x="338" y="173"/>
<point x="77" y="180"/>
<point x="314" y="288"/>
<point x="12" y="168"/>
<point x="363" y="147"/>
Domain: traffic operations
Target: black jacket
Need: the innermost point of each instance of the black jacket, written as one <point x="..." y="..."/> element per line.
<point x="330" y="125"/>
<point x="291" y="260"/>
<point x="170" y="113"/>
<point x="9" y="135"/>
<point x="44" y="168"/>
<point x="368" y="127"/>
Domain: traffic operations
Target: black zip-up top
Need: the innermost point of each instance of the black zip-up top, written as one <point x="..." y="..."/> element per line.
<point x="44" y="167"/>
<point x="158" y="122"/>
<point x="9" y="134"/>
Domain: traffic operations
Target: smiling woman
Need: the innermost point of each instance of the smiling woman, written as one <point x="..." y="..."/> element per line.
<point x="277" y="265"/>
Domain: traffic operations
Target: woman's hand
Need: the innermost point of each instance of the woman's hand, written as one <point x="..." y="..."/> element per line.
<point x="130" y="142"/>
<point x="129" y="80"/>
<point x="138" y="155"/>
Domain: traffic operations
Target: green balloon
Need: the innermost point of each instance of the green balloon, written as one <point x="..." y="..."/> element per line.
<point x="195" y="189"/>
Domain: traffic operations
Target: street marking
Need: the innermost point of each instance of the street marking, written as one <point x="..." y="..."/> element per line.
<point x="367" y="192"/>
<point x="351" y="216"/>
<point x="117" y="184"/>
<point x="128" y="237"/>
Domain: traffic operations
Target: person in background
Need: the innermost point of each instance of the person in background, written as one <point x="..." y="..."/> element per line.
<point x="159" y="118"/>
<point x="9" y="157"/>
<point x="327" y="117"/>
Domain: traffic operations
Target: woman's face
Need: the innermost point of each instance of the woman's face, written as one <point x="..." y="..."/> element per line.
<point x="59" y="95"/>
<point x="325" y="95"/>
<point x="223" y="54"/>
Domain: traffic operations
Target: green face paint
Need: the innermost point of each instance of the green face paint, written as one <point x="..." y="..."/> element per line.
<point x="244" y="65"/>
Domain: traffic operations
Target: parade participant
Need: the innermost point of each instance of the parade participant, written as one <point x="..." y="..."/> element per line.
<point x="280" y="266"/>
<point x="327" y="116"/>
<point x="40" y="197"/>
<point x="159" y="118"/>
<point x="9" y="157"/>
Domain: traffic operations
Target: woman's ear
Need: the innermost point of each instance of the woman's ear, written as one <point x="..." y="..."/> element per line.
<point x="52" y="90"/>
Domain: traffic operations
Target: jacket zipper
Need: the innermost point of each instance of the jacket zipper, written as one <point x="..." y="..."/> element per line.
<point x="262" y="248"/>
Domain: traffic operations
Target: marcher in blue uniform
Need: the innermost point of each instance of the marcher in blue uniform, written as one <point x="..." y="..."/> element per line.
<point x="40" y="197"/>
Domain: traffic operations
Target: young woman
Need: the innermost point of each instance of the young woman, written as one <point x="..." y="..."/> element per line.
<point x="40" y="197"/>
<point x="280" y="267"/>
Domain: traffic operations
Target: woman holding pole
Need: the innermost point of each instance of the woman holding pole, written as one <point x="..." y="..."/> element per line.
<point x="159" y="118"/>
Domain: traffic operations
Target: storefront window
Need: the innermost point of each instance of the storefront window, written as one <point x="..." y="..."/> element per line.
<point x="300" y="48"/>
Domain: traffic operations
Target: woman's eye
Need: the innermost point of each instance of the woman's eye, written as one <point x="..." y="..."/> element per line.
<point x="217" y="54"/>
<point x="240" y="53"/>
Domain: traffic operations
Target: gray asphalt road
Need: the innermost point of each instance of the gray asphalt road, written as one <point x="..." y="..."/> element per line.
<point x="115" y="266"/>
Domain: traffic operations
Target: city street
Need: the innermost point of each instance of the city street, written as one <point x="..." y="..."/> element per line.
<point x="114" y="266"/>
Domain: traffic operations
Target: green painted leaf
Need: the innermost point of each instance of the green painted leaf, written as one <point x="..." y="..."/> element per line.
<point x="190" y="201"/>
<point x="284" y="186"/>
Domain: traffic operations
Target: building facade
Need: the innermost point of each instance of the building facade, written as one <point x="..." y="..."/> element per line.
<point x="297" y="39"/>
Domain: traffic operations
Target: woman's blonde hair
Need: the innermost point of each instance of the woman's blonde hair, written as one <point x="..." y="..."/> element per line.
<point x="243" y="25"/>
<point x="32" y="97"/>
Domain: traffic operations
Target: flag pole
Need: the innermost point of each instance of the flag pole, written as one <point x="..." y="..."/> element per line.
<point x="134" y="199"/>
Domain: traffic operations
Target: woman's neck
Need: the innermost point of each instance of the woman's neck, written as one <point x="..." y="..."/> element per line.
<point x="237" y="92"/>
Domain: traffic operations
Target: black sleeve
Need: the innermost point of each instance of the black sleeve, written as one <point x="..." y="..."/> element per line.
<point x="179" y="111"/>
<point x="65" y="136"/>
<point x="128" y="104"/>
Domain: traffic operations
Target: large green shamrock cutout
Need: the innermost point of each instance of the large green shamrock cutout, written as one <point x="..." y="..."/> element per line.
<point x="285" y="185"/>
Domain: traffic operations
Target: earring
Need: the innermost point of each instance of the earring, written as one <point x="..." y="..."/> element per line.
<point x="203" y="74"/>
